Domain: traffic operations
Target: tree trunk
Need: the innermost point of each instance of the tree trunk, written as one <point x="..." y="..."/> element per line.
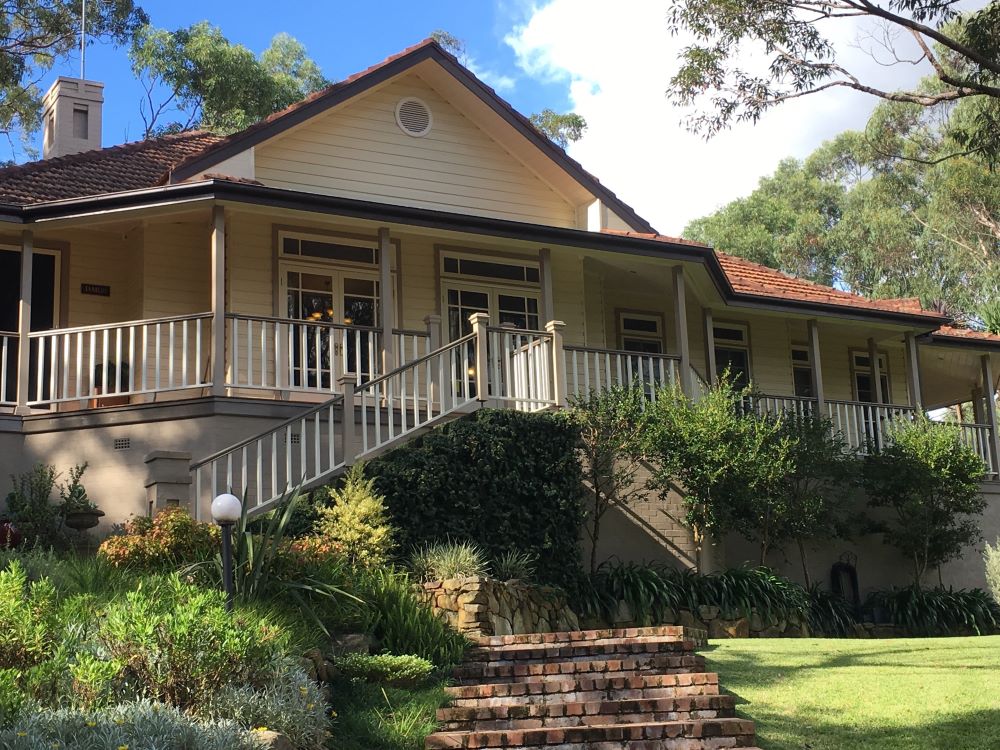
<point x="805" y="562"/>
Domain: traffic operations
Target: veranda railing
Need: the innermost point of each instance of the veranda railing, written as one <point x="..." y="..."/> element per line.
<point x="8" y="368"/>
<point x="591" y="368"/>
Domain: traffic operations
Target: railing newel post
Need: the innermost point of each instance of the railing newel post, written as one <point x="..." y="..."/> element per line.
<point x="348" y="439"/>
<point x="559" y="383"/>
<point x="480" y="324"/>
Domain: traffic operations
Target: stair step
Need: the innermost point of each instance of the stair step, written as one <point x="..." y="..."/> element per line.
<point x="695" y="734"/>
<point x="547" y="652"/>
<point x="512" y="716"/>
<point x="536" y="670"/>
<point x="577" y="690"/>
<point x="574" y="636"/>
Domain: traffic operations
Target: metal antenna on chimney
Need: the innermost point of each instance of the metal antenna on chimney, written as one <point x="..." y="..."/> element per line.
<point x="83" y="38"/>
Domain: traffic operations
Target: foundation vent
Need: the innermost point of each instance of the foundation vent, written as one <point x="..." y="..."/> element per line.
<point x="122" y="444"/>
<point x="414" y="117"/>
<point x="295" y="438"/>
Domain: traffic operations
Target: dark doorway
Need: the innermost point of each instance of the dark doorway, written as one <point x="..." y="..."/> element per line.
<point x="43" y="296"/>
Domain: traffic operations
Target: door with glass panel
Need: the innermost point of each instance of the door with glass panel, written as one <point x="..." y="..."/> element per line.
<point x="339" y="310"/>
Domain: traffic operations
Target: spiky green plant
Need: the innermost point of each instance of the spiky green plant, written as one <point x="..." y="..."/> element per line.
<point x="443" y="560"/>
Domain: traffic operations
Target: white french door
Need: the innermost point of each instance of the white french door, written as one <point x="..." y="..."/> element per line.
<point x="339" y="308"/>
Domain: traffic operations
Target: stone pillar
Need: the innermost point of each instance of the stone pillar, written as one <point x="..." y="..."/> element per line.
<point x="168" y="481"/>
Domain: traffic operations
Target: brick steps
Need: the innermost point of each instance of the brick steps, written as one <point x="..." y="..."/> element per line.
<point x="587" y="689"/>
<point x="535" y="716"/>
<point x="613" y="689"/>
<point x="493" y="672"/>
<point x="703" y="734"/>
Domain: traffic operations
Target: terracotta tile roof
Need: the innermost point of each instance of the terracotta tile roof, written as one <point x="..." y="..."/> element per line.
<point x="966" y="334"/>
<point x="131" y="166"/>
<point x="747" y="277"/>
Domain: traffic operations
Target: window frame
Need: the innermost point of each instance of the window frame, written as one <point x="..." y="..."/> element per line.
<point x="330" y="238"/>
<point x="727" y="344"/>
<point x="806" y="365"/>
<point x="884" y="372"/>
<point x="659" y="337"/>
<point x="487" y="257"/>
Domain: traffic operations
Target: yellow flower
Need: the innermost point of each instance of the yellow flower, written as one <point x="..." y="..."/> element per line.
<point x="91" y="723"/>
<point x="123" y="747"/>
<point x="310" y="706"/>
<point x="22" y="734"/>
<point x="303" y="689"/>
<point x="261" y="729"/>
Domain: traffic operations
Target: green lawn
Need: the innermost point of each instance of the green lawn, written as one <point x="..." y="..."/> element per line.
<point x="919" y="694"/>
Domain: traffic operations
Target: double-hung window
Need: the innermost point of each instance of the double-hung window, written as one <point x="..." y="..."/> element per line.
<point x="732" y="352"/>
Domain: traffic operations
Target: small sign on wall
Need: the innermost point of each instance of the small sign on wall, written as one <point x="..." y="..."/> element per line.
<point x="100" y="290"/>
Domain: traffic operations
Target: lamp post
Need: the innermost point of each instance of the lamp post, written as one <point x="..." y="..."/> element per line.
<point x="226" y="511"/>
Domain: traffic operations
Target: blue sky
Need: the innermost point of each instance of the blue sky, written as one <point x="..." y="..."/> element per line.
<point x="342" y="37"/>
<point x="610" y="62"/>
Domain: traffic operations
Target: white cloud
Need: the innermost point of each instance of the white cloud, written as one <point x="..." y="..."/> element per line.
<point x="617" y="61"/>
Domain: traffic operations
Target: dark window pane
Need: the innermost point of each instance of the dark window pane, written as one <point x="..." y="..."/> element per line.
<point x="293" y="279"/>
<point x="334" y="251"/>
<point x="861" y="360"/>
<point x="803" y="382"/>
<point x="452" y="296"/>
<point x="800" y="355"/>
<point x="648" y="346"/>
<point x="477" y="300"/>
<point x="364" y="287"/>
<point x="729" y="334"/>
<point x="640" y="324"/>
<point x="451" y="265"/>
<point x="512" y="304"/>
<point x="492" y="270"/>
<point x="736" y="362"/>
<point x="864" y="387"/>
<point x="290" y="245"/>
<point x="532" y="305"/>
<point x="531" y="274"/>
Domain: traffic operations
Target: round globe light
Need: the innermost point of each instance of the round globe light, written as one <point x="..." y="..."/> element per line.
<point x="226" y="509"/>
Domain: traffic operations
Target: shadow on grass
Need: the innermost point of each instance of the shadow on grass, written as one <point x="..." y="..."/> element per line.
<point x="975" y="730"/>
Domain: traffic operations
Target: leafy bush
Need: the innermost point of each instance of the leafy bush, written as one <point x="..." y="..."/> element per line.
<point x="290" y="703"/>
<point x="140" y="725"/>
<point x="929" y="480"/>
<point x="991" y="557"/>
<point x="740" y="591"/>
<point x="500" y="479"/>
<point x="830" y="614"/>
<point x="30" y="507"/>
<point x="357" y="521"/>
<point x="73" y="495"/>
<point x="443" y="560"/>
<point x="936" y="611"/>
<point x="169" y="540"/>
<point x="405" y="625"/>
<point x="384" y="669"/>
<point x="177" y="644"/>
<point x="515" y="565"/>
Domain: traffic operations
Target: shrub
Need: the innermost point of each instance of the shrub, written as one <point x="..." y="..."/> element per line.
<point x="165" y="542"/>
<point x="929" y="480"/>
<point x="29" y="621"/>
<point x="937" y="611"/>
<point x="177" y="644"/>
<point x="357" y="520"/>
<point x="443" y="560"/>
<point x="405" y="625"/>
<point x="515" y="565"/>
<point x="140" y="724"/>
<point x="500" y="479"/>
<point x="29" y="505"/>
<point x="290" y="703"/>
<point x="991" y="557"/>
<point x="830" y="614"/>
<point x="73" y="495"/>
<point x="385" y="669"/>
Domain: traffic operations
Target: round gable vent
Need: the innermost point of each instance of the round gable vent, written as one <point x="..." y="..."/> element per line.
<point x="414" y="117"/>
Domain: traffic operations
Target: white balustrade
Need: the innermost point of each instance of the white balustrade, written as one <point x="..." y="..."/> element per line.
<point x="979" y="438"/>
<point x="520" y="368"/>
<point x="779" y="405"/>
<point x="279" y="354"/>
<point x="589" y="369"/>
<point x="865" y="426"/>
<point x="8" y="368"/>
<point x="397" y="404"/>
<point x="301" y="451"/>
<point x="120" y="359"/>
<point x="409" y="346"/>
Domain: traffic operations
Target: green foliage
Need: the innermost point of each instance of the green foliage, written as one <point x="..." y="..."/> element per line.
<point x="384" y="669"/>
<point x="28" y="619"/>
<point x="376" y="717"/>
<point x="30" y="507"/>
<point x="73" y="495"/>
<point x="730" y="461"/>
<point x="177" y="644"/>
<point x="169" y="540"/>
<point x="139" y="725"/>
<point x="830" y="614"/>
<point x="357" y="520"/>
<point x="443" y="560"/>
<point x="991" y="558"/>
<point x="39" y="35"/>
<point x="610" y="450"/>
<point x="937" y="611"/>
<point x="289" y="703"/>
<point x="405" y="625"/>
<point x="215" y="84"/>
<point x="928" y="480"/>
<point x="514" y="565"/>
<point x="501" y="479"/>
<point x="563" y="129"/>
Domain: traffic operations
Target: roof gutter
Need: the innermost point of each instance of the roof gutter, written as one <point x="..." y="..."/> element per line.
<point x="224" y="190"/>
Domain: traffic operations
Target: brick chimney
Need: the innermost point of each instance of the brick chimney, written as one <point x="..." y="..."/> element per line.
<point x="71" y="117"/>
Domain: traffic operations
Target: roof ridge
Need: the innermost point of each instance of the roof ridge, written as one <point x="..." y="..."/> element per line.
<point x="96" y="153"/>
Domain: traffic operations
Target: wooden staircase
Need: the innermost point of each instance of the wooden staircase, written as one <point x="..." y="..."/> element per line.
<point x="636" y="688"/>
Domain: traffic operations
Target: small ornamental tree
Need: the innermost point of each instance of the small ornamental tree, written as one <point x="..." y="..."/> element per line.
<point x="610" y="452"/>
<point x="727" y="461"/>
<point x="929" y="481"/>
<point x="357" y="521"/>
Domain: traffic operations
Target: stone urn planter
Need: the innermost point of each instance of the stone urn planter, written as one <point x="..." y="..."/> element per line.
<point x="81" y="520"/>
